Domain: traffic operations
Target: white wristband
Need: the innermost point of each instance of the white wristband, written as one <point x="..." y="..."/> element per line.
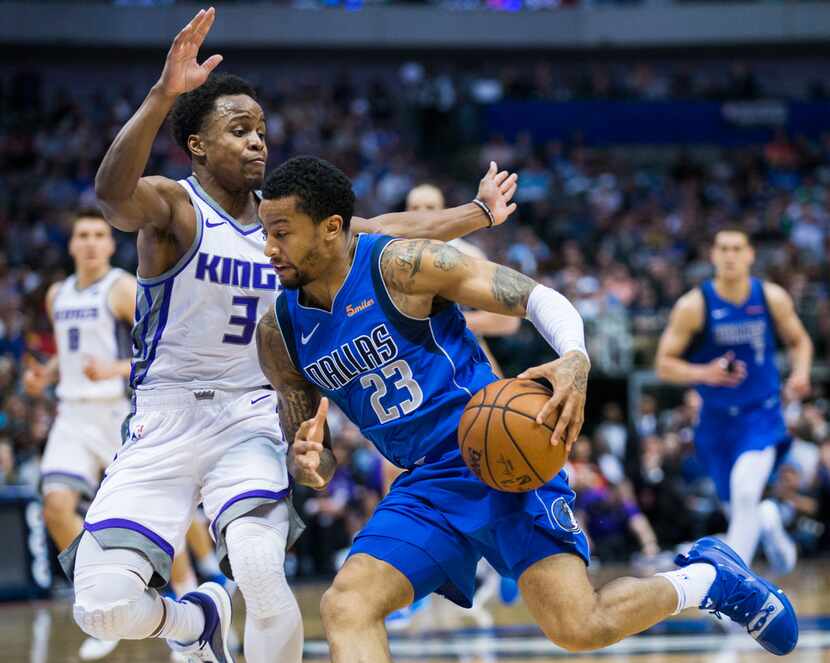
<point x="556" y="319"/>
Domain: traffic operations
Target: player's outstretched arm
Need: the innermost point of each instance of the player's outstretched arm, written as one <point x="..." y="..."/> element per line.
<point x="792" y="332"/>
<point x="302" y="412"/>
<point x="417" y="271"/>
<point x="129" y="200"/>
<point x="493" y="206"/>
<point x="686" y="319"/>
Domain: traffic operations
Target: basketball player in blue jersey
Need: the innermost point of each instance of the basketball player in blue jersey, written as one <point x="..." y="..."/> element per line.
<point x="370" y="323"/>
<point x="202" y="422"/>
<point x="722" y="338"/>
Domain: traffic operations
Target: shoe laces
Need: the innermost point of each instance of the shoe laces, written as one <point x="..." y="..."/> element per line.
<point x="739" y="603"/>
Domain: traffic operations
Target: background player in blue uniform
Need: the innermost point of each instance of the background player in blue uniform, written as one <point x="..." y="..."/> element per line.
<point x="722" y="338"/>
<point x="369" y="322"/>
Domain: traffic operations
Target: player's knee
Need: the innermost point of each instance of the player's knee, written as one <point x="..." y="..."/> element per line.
<point x="58" y="507"/>
<point x="337" y="608"/>
<point x="256" y="552"/>
<point x="108" y="607"/>
<point x="744" y="498"/>
<point x="578" y="634"/>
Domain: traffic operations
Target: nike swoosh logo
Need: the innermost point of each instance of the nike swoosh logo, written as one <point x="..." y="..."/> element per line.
<point x="305" y="339"/>
<point x="261" y="398"/>
<point x="214" y="225"/>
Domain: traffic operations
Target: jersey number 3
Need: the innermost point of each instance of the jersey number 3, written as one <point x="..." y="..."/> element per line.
<point x="403" y="372"/>
<point x="247" y="322"/>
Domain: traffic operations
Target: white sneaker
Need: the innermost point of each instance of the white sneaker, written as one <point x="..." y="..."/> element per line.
<point x="94" y="649"/>
<point x="178" y="657"/>
<point x="212" y="644"/>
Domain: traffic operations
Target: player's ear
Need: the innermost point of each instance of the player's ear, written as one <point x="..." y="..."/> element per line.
<point x="194" y="143"/>
<point x="332" y="226"/>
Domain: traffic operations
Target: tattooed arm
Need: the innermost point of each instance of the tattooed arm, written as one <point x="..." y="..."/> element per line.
<point x="301" y="412"/>
<point x="418" y="271"/>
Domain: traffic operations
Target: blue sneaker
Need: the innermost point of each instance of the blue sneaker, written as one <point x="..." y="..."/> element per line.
<point x="745" y="597"/>
<point x="212" y="644"/>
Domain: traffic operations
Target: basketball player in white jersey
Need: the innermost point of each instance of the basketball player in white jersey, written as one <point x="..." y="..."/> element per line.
<point x="91" y="312"/>
<point x="203" y="424"/>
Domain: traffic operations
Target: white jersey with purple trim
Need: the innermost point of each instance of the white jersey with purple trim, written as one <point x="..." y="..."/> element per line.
<point x="195" y="323"/>
<point x="86" y="327"/>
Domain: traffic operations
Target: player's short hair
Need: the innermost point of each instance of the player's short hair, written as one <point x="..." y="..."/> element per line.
<point x="732" y="228"/>
<point x="322" y="189"/>
<point x="88" y="212"/>
<point x="191" y="108"/>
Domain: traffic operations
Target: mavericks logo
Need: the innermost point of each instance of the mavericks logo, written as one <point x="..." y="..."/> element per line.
<point x="563" y="515"/>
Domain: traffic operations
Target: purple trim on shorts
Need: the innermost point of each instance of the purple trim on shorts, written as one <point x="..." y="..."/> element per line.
<point x="276" y="496"/>
<point x="123" y="523"/>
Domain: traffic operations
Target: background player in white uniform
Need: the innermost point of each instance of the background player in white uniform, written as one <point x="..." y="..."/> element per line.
<point x="91" y="312"/>
<point x="203" y="424"/>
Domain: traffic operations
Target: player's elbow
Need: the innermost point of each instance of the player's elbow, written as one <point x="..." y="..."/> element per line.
<point x="105" y="191"/>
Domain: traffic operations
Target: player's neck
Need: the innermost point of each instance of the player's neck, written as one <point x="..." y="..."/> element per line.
<point x="241" y="205"/>
<point x="86" y="277"/>
<point x="321" y="292"/>
<point x="735" y="291"/>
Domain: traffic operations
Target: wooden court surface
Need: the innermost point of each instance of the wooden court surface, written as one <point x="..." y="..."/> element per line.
<point x="44" y="632"/>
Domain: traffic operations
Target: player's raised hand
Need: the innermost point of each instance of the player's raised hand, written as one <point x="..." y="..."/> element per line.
<point x="182" y="72"/>
<point x="307" y="450"/>
<point x="496" y="189"/>
<point x="724" y="371"/>
<point x="568" y="376"/>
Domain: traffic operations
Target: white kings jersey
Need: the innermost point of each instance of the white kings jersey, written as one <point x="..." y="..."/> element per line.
<point x="86" y="327"/>
<point x="195" y="323"/>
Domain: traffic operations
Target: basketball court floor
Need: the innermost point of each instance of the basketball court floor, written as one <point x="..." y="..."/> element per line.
<point x="45" y="633"/>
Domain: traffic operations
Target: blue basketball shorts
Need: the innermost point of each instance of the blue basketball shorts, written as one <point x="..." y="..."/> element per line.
<point x="722" y="435"/>
<point x="439" y="520"/>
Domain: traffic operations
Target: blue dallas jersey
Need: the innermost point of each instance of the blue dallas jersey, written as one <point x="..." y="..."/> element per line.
<point x="403" y="381"/>
<point x="748" y="330"/>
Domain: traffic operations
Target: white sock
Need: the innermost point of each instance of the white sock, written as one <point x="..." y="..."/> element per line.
<point x="183" y="621"/>
<point x="691" y="583"/>
<point x="747" y="481"/>
<point x="208" y="565"/>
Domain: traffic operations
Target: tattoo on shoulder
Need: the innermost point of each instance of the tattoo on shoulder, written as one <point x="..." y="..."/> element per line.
<point x="401" y="262"/>
<point x="445" y="257"/>
<point x="511" y="288"/>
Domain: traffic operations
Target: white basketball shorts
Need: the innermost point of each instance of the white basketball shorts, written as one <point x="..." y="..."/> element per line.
<point x="182" y="447"/>
<point x="83" y="441"/>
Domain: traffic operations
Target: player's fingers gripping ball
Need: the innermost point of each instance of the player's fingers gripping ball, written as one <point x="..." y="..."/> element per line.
<point x="502" y="443"/>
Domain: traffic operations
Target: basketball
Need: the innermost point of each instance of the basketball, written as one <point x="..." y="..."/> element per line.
<point x="502" y="443"/>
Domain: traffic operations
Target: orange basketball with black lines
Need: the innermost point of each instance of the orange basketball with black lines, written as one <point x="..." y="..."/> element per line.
<point x="502" y="443"/>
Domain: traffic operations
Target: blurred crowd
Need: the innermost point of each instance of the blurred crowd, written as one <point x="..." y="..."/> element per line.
<point x="622" y="233"/>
